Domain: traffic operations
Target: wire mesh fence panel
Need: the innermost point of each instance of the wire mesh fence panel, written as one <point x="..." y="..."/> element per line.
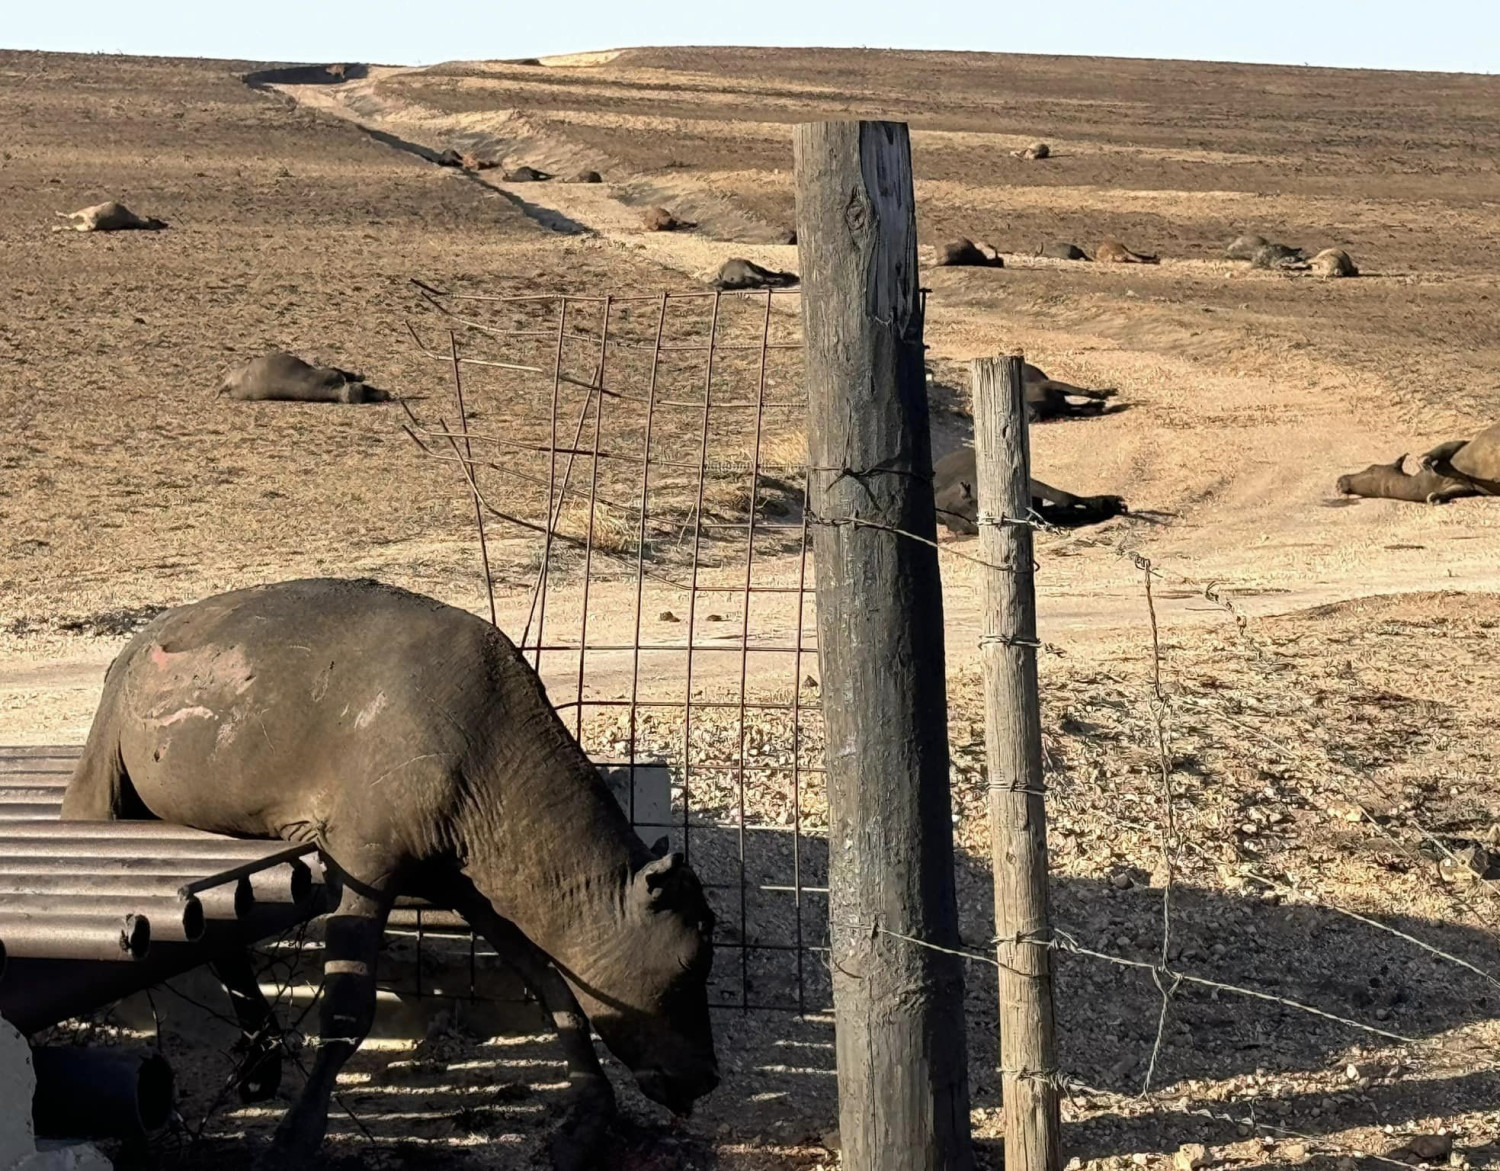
<point x="639" y="473"/>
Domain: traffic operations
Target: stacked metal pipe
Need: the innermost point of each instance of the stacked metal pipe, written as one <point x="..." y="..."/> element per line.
<point x="104" y="890"/>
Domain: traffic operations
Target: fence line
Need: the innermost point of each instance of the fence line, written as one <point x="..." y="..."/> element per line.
<point x="1165" y="703"/>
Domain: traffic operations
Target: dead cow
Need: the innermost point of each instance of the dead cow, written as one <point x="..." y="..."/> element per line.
<point x="413" y="743"/>
<point x="106" y="217"/>
<point x="1047" y="398"/>
<point x="1113" y="252"/>
<point x="587" y="177"/>
<point x="284" y="377"/>
<point x="964" y="253"/>
<point x="1390" y="482"/>
<point x="1333" y="262"/>
<point x="1037" y="150"/>
<point x="659" y="219"/>
<point x="956" y="494"/>
<point x="1062" y="251"/>
<point x="1278" y="256"/>
<point x="526" y="175"/>
<point x="1475" y="461"/>
<point x="738" y="273"/>
<point x="1244" y="247"/>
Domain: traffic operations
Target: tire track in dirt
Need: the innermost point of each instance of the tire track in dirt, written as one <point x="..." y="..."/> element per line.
<point x="610" y="210"/>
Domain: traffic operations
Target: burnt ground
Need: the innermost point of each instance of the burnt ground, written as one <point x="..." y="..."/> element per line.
<point x="1324" y="755"/>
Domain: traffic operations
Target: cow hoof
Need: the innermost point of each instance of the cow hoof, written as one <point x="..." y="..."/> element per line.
<point x="260" y="1076"/>
<point x="576" y="1143"/>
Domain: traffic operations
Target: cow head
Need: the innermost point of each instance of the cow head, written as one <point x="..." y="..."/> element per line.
<point x="1371" y="481"/>
<point x="648" y="998"/>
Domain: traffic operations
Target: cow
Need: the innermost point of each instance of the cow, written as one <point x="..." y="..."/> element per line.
<point x="956" y="495"/>
<point x="1333" y="262"/>
<point x="659" y="219"/>
<point x="416" y="747"/>
<point x="283" y="377"/>
<point x="964" y="253"/>
<point x="1111" y="251"/>
<point x="738" y="273"/>
<point x="107" y="217"/>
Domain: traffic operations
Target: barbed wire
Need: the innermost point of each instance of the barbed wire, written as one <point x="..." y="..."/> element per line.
<point x="1160" y="713"/>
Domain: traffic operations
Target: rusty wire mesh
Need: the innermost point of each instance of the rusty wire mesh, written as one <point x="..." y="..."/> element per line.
<point x="637" y="467"/>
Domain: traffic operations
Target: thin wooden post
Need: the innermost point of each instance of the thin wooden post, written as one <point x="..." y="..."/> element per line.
<point x="898" y="1005"/>
<point x="1013" y="740"/>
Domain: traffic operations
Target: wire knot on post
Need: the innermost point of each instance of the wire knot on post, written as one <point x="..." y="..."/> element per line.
<point x="990" y="519"/>
<point x="1008" y="640"/>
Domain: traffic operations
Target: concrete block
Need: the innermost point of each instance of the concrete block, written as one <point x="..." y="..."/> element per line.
<point x="17" y="1086"/>
<point x="55" y="1156"/>
<point x="652" y="807"/>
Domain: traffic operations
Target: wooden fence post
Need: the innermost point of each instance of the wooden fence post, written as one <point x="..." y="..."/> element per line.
<point x="898" y="1006"/>
<point x="1013" y="739"/>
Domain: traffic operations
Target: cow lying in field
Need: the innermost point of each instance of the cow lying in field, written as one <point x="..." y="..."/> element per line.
<point x="284" y="377"/>
<point x="956" y="494"/>
<point x="965" y="253"/>
<point x="1047" y="398"/>
<point x="739" y="273"/>
<point x="1111" y="251"/>
<point x="1460" y="467"/>
<point x="107" y="217"/>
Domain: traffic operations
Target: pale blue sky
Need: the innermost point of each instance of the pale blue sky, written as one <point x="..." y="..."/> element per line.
<point x="1430" y="34"/>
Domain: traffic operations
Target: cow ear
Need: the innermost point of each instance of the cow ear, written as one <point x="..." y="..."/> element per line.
<point x="658" y="876"/>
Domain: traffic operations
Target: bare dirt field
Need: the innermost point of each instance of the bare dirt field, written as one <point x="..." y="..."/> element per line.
<point x="1330" y="731"/>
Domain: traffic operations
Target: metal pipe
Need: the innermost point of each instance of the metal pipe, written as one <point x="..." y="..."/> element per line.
<point x="77" y="937"/>
<point x="212" y="853"/>
<point x="170" y="917"/>
<point x="222" y="900"/>
<point x="27" y="812"/>
<point x="40" y="992"/>
<point x="289" y="882"/>
<point x="100" y="1093"/>
<point x="25" y="791"/>
<point x="139" y="830"/>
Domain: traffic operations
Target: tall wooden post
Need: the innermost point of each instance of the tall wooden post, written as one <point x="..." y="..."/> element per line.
<point x="898" y="1006"/>
<point x="1013" y="739"/>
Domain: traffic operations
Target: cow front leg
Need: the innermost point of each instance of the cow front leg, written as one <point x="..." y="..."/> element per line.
<point x="259" y="1075"/>
<point x="351" y="948"/>
<point x="590" y="1105"/>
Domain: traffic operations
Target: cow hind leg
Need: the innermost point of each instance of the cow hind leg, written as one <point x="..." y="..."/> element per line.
<point x="351" y="948"/>
<point x="579" y="1137"/>
<point x="259" y="1074"/>
<point x="100" y="789"/>
<point x="1440" y="455"/>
